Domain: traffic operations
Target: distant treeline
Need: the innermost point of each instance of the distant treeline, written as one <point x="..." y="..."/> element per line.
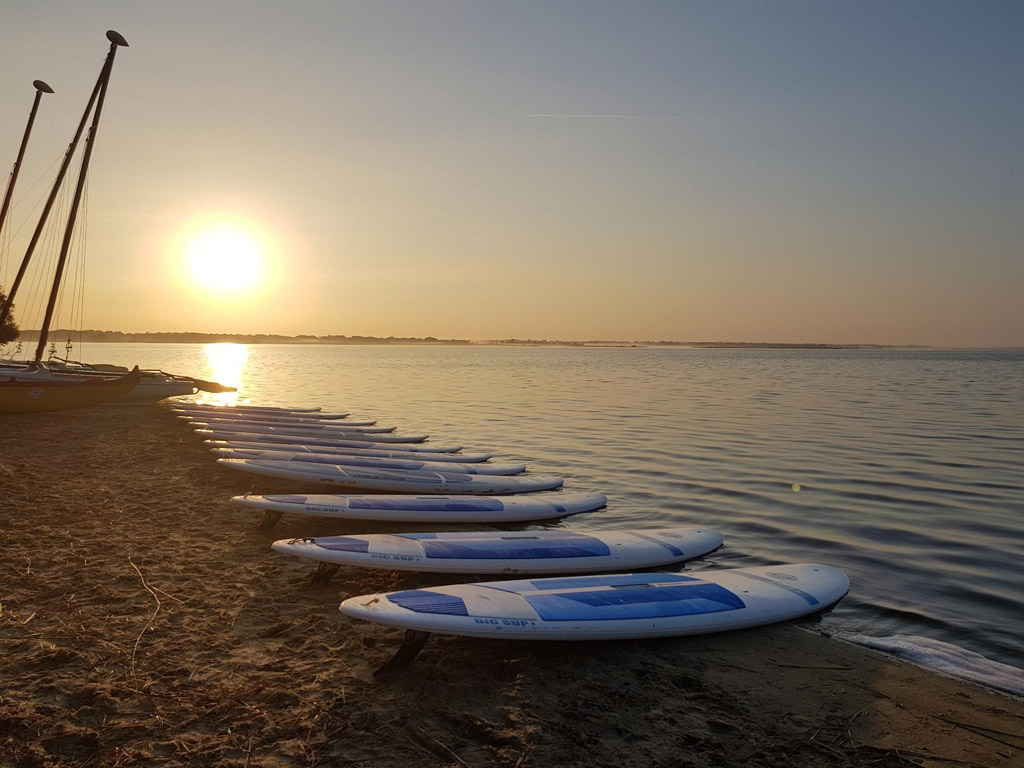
<point x="93" y="337"/>
<point x="58" y="337"/>
<point x="702" y="344"/>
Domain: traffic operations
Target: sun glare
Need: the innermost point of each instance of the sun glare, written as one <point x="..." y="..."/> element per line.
<point x="224" y="260"/>
<point x="226" y="364"/>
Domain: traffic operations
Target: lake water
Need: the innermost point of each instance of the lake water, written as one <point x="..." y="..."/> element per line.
<point x="903" y="468"/>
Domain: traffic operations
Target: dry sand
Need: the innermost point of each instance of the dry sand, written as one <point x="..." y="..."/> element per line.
<point x="145" y="621"/>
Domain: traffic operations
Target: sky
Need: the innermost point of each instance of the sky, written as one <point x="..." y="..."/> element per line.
<point x="773" y="171"/>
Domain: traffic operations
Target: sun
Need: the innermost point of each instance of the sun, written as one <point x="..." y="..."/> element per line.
<point x="224" y="260"/>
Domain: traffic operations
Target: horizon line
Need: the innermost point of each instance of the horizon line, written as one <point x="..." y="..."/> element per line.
<point x="308" y="338"/>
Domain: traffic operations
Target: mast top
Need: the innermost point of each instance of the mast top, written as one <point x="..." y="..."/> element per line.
<point x="41" y="86"/>
<point x="116" y="39"/>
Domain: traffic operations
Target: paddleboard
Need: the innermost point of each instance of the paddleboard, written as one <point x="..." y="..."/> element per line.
<point x="610" y="607"/>
<point x="510" y="553"/>
<point x="330" y="429"/>
<point x="226" y="413"/>
<point x="347" y="442"/>
<point x="308" y="439"/>
<point x="394" y="480"/>
<point x="459" y="458"/>
<point x="253" y="408"/>
<point x="370" y="461"/>
<point x="276" y="421"/>
<point x="429" y="509"/>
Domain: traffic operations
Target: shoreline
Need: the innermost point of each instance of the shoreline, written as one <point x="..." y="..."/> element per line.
<point x="145" y="621"/>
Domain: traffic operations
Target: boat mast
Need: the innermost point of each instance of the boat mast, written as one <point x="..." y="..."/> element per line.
<point x="41" y="88"/>
<point x="90" y="141"/>
<point x="6" y="310"/>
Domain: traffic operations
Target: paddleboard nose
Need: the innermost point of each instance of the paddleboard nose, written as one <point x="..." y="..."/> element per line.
<point x="831" y="584"/>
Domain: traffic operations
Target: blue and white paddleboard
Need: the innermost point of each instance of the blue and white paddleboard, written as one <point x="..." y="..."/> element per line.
<point x="346" y="442"/>
<point x="458" y="458"/>
<point x="394" y="480"/>
<point x="233" y="433"/>
<point x="510" y="553"/>
<point x="221" y="413"/>
<point x="340" y="428"/>
<point x="429" y="509"/>
<point x="272" y="421"/>
<point x="610" y="607"/>
<point x="314" y="410"/>
<point x="371" y="461"/>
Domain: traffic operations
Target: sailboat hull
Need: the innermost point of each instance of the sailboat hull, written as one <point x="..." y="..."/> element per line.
<point x="152" y="387"/>
<point x="26" y="396"/>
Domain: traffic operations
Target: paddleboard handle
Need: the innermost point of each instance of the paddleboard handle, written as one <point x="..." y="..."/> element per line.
<point x="412" y="644"/>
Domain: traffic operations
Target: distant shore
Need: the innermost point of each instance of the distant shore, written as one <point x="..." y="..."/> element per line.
<point x="145" y="621"/>
<point x="104" y="337"/>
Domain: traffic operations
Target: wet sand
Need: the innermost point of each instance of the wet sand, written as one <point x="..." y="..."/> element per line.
<point x="145" y="621"/>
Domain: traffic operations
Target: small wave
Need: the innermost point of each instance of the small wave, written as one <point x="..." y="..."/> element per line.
<point x="945" y="659"/>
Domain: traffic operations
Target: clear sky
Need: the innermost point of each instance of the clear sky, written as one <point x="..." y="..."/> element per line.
<point x="690" y="170"/>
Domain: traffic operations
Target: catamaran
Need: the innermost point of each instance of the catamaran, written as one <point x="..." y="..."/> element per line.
<point x="152" y="385"/>
<point x="29" y="396"/>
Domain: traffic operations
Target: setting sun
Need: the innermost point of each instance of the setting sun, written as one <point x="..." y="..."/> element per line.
<point x="225" y="260"/>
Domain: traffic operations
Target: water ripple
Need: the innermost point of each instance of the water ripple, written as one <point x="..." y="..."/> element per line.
<point x="902" y="468"/>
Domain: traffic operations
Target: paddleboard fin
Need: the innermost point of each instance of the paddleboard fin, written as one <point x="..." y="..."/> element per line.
<point x="412" y="644"/>
<point x="324" y="573"/>
<point x="270" y="519"/>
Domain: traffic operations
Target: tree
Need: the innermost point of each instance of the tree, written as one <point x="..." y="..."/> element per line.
<point x="9" y="331"/>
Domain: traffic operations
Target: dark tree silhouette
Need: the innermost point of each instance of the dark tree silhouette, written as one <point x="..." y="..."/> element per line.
<point x="9" y="331"/>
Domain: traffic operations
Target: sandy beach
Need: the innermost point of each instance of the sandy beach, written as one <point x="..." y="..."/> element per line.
<point x="145" y="621"/>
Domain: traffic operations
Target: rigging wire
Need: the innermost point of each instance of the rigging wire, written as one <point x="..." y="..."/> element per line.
<point x="46" y="261"/>
<point x="76" y="322"/>
<point x="76" y="255"/>
<point x="11" y="233"/>
<point x="55" y="320"/>
<point x="4" y="241"/>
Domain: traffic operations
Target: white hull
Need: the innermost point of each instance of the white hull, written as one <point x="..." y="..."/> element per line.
<point x="151" y="387"/>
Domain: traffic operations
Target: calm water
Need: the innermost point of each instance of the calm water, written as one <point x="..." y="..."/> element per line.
<point x="904" y="468"/>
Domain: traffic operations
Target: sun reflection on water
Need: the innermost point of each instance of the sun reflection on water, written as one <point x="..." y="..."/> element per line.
<point x="226" y="363"/>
